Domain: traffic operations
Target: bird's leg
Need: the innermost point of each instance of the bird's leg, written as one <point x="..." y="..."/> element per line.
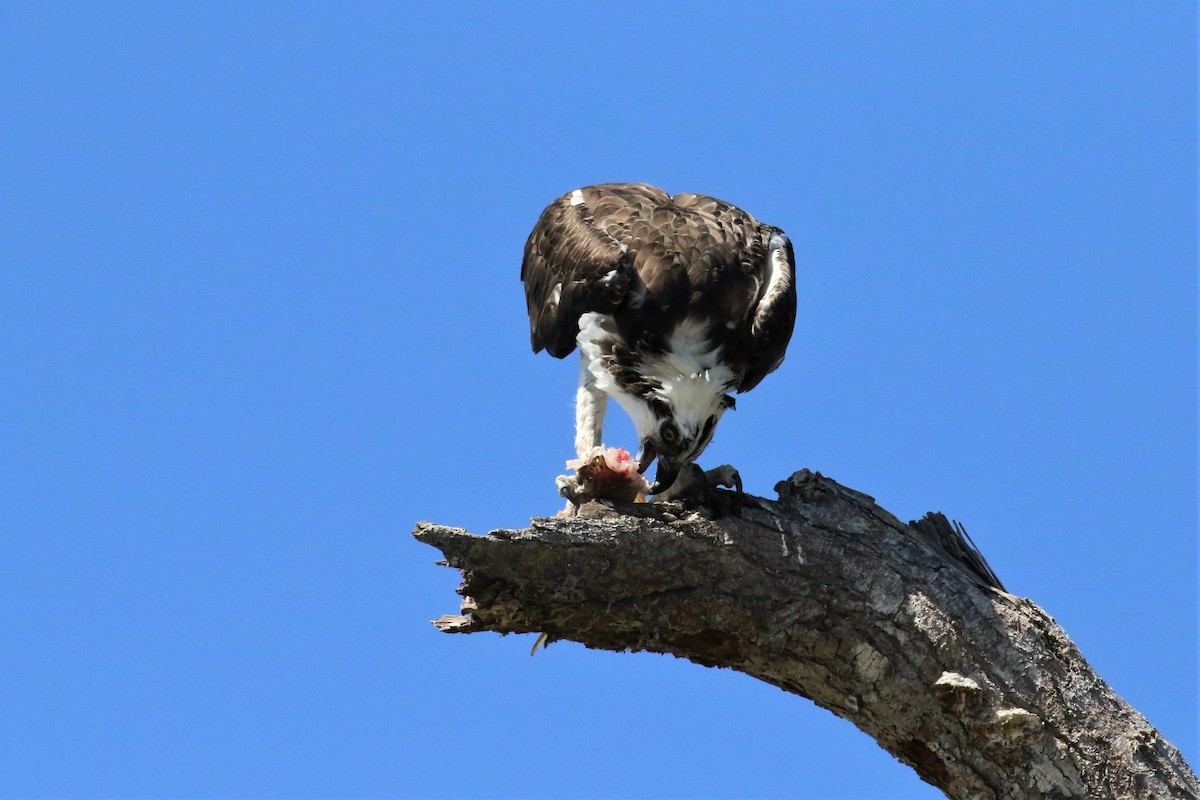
<point x="695" y="483"/>
<point x="590" y="405"/>
<point x="701" y="488"/>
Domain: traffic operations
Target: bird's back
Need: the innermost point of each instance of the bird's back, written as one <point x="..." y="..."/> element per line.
<point x="650" y="259"/>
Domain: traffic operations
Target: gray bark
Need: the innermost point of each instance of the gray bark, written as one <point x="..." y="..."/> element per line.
<point x="901" y="629"/>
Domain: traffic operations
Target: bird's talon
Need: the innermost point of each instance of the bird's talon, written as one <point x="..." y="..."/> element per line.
<point x="724" y="476"/>
<point x="569" y="488"/>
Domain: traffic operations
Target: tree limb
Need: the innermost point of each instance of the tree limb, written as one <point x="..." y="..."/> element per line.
<point x="901" y="629"/>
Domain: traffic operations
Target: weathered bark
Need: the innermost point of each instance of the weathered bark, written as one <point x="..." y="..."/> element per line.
<point x="827" y="595"/>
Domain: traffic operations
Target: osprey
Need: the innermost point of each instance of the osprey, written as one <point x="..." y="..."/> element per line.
<point x="675" y="303"/>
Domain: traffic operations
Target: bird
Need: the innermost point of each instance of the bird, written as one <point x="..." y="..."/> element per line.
<point x="675" y="303"/>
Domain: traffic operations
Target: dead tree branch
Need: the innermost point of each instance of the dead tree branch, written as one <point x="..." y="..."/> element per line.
<point x="825" y="594"/>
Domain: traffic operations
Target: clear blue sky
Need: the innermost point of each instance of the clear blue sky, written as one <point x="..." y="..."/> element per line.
<point x="260" y="313"/>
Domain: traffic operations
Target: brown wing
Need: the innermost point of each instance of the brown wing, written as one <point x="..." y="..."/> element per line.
<point x="743" y="278"/>
<point x="578" y="259"/>
<point x="774" y="317"/>
<point x="724" y="249"/>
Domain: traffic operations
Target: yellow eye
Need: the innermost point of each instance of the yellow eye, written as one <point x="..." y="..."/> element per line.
<point x="669" y="434"/>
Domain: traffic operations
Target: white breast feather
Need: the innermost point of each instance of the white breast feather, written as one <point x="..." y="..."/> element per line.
<point x="693" y="378"/>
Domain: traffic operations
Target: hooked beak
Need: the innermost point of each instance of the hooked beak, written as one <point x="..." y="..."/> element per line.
<point x="645" y="456"/>
<point x="666" y="473"/>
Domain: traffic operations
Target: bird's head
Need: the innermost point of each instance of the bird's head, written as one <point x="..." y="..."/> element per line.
<point x="677" y="420"/>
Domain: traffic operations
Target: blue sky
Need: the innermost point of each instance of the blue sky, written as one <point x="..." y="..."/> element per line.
<point x="260" y="313"/>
